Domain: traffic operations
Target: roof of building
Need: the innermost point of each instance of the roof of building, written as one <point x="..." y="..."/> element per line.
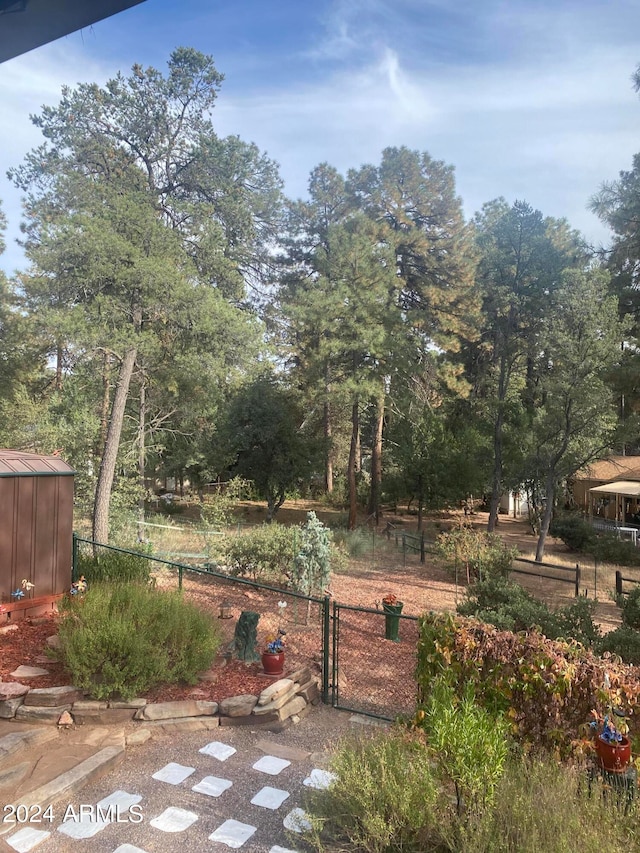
<point x="26" y="24"/>
<point x="614" y="468"/>
<point x="17" y="463"/>
<point x="628" y="488"/>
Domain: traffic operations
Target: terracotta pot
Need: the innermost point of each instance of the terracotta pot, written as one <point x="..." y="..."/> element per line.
<point x="273" y="662"/>
<point x="614" y="757"/>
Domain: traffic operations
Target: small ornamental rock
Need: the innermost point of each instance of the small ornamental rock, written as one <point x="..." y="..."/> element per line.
<point x="65" y="719"/>
<point x="238" y="706"/>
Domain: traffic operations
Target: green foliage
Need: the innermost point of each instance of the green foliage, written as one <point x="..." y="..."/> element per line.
<point x="508" y="606"/>
<point x="630" y="606"/>
<point x="385" y="797"/>
<point x="120" y="640"/>
<point x="312" y="564"/>
<point x="471" y="745"/>
<point x="356" y="542"/>
<point x="546" y="688"/>
<point x="482" y="554"/>
<point x="625" y="642"/>
<point x="543" y="807"/>
<point x="576" y="533"/>
<point x="220" y="508"/>
<point x="264" y="553"/>
<point x="114" y="567"/>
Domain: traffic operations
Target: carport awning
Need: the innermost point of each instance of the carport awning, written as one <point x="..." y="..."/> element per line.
<point x="628" y="488"/>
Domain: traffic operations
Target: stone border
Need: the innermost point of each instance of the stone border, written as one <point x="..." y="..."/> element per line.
<point x="283" y="702"/>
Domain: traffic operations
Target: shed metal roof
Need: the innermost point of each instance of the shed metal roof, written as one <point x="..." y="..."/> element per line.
<point x="17" y="463"/>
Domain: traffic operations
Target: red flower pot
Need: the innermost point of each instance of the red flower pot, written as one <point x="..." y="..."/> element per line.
<point x="614" y="757"/>
<point x="273" y="662"/>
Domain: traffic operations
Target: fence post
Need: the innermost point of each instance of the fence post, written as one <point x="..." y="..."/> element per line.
<point x="618" y="582"/>
<point x="179" y="577"/>
<point x="577" y="579"/>
<point x="404" y="550"/>
<point x="422" y="547"/>
<point x="325" y="649"/>
<point x="74" y="558"/>
<point x="595" y="577"/>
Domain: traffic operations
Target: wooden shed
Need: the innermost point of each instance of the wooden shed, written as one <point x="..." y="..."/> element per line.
<point x="36" y="532"/>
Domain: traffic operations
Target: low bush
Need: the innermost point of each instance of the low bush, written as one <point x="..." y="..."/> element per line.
<point x="356" y="542"/>
<point x="265" y="553"/>
<point x="576" y="533"/>
<point x="481" y="555"/>
<point x="500" y="602"/>
<point x="386" y="797"/>
<point x="120" y="640"/>
<point x="624" y="642"/>
<point x="630" y="606"/>
<point x="546" y="688"/>
<point x="114" y="567"/>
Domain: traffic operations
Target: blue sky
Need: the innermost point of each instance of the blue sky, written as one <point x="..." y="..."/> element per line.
<point x="528" y="99"/>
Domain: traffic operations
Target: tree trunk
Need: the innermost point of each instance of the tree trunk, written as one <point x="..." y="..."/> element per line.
<point x="142" y="412"/>
<point x="351" y="468"/>
<point x="545" y="522"/>
<point x="110" y="453"/>
<point x="420" y="502"/>
<point x="106" y="399"/>
<point x="496" y="484"/>
<point x="59" y="357"/>
<point x="328" y="471"/>
<point x="376" y="461"/>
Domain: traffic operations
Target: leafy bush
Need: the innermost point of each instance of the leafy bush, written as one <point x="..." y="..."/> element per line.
<point x="386" y="797"/>
<point x="625" y="642"/>
<point x="114" y="567"/>
<point x="122" y="640"/>
<point x="630" y="606"/>
<point x="609" y="549"/>
<point x="576" y="533"/>
<point x="356" y="542"/>
<point x="509" y="607"/>
<point x="543" y="807"/>
<point x="264" y="553"/>
<point x="482" y="555"/>
<point x="471" y="745"/>
<point x="546" y="688"/>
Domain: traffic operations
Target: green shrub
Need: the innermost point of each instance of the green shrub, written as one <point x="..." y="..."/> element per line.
<point x="630" y="606"/>
<point x="122" y="640"/>
<point x="543" y="807"/>
<point x="386" y="797"/>
<point x="114" y="567"/>
<point x="471" y="745"/>
<point x="500" y="602"/>
<point x="609" y="549"/>
<point x="576" y="533"/>
<point x="356" y="542"/>
<point x="264" y="553"/>
<point x="481" y="554"/>
<point x="625" y="642"/>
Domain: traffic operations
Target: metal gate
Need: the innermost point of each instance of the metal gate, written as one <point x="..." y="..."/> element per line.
<point x="369" y="674"/>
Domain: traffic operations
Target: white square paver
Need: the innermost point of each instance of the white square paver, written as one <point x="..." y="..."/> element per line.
<point x="277" y="849"/>
<point x="270" y="798"/>
<point x="218" y="750"/>
<point x="26" y="839"/>
<point x="297" y="821"/>
<point x="85" y="827"/>
<point x="232" y="833"/>
<point x="173" y="773"/>
<point x="212" y="786"/>
<point x="320" y="779"/>
<point x="174" y="820"/>
<point x="271" y="765"/>
<point x="118" y="804"/>
<point x="129" y="848"/>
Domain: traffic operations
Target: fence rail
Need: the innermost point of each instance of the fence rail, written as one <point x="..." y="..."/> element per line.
<point x="620" y="580"/>
<point x="575" y="572"/>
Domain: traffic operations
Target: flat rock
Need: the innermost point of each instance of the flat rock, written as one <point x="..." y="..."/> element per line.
<point x="276" y="703"/>
<point x="29" y="672"/>
<point x="295" y="706"/>
<point x="12" y="689"/>
<point x="53" y="697"/>
<point x="54" y="641"/>
<point x="40" y="714"/>
<point x="238" y="706"/>
<point x="89" y="705"/>
<point x="15" y="741"/>
<point x="252" y="720"/>
<point x="291" y="753"/>
<point x="7" y="629"/>
<point x="301" y="676"/>
<point x="189" y="724"/>
<point x="171" y="710"/>
<point x="8" y="707"/>
<point x="14" y="775"/>
<point x="138" y="737"/>
<point x="102" y="716"/>
<point x="131" y="703"/>
<point x="283" y="685"/>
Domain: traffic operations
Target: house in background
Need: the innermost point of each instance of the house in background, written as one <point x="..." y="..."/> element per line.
<point x="609" y="490"/>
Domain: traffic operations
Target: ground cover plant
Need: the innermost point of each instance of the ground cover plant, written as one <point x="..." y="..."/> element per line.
<point x="119" y="640"/>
